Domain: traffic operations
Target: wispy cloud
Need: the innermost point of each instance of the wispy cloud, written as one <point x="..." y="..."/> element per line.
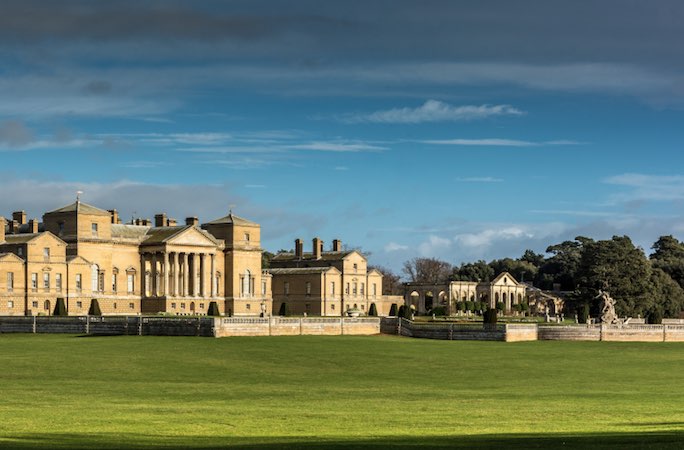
<point x="337" y="146"/>
<point x="480" y="180"/>
<point x="497" y="142"/>
<point x="649" y="187"/>
<point x="394" y="247"/>
<point x="434" y="111"/>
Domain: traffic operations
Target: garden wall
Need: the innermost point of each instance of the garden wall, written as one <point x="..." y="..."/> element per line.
<point x="290" y="326"/>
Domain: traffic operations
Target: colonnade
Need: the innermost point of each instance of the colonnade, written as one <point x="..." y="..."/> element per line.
<point x="178" y="274"/>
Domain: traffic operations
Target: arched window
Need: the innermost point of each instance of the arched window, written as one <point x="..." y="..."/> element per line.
<point x="504" y="297"/>
<point x="496" y="297"/>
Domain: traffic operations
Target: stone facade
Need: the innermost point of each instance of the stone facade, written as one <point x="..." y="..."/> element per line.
<point x="80" y="252"/>
<point x="327" y="283"/>
<point x="504" y="288"/>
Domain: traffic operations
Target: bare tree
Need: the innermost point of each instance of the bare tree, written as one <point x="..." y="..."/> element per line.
<point x="427" y="270"/>
<point x="391" y="282"/>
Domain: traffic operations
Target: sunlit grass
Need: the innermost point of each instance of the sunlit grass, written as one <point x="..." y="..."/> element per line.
<point x="109" y="392"/>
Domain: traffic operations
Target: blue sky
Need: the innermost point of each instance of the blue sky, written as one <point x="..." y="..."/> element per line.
<point x="447" y="129"/>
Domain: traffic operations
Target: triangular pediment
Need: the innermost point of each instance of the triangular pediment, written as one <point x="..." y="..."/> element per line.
<point x="192" y="236"/>
<point x="10" y="257"/>
<point x="504" y="279"/>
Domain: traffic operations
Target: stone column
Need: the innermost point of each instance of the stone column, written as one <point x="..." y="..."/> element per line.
<point x="166" y="274"/>
<point x="212" y="278"/>
<point x="153" y="275"/>
<point x="193" y="275"/>
<point x="186" y="275"/>
<point x="143" y="276"/>
<point x="203" y="277"/>
<point x="175" y="280"/>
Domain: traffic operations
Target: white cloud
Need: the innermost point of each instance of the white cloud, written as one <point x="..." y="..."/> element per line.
<point x="486" y="238"/>
<point x="434" y="245"/>
<point x="394" y="247"/>
<point x="434" y="111"/>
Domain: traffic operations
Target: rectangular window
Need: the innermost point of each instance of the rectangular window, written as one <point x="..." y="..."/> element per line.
<point x="10" y="281"/>
<point x="131" y="306"/>
<point x="58" y="282"/>
<point x="114" y="305"/>
<point x="363" y="288"/>
<point x="34" y="304"/>
<point x="182" y="305"/>
<point x="46" y="281"/>
<point x="173" y="306"/>
<point x="248" y="306"/>
<point x="263" y="287"/>
<point x="79" y="305"/>
<point x="46" y="254"/>
<point x="34" y="281"/>
<point x="347" y="289"/>
<point x="246" y="236"/>
<point x="113" y="282"/>
<point x="332" y="288"/>
<point x="93" y="229"/>
<point x="10" y="304"/>
<point x="356" y="288"/>
<point x="130" y="281"/>
<point x="308" y="288"/>
<point x="100" y="282"/>
<point x="332" y="307"/>
<point x="356" y="266"/>
<point x="287" y="288"/>
<point x="202" y="305"/>
<point x="20" y="251"/>
<point x="79" y="282"/>
<point x="61" y="228"/>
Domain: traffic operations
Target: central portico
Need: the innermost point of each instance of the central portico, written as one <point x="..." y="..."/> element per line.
<point x="181" y="269"/>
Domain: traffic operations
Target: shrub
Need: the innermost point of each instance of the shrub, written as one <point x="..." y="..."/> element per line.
<point x="408" y="313"/>
<point x="517" y="307"/>
<point x="524" y="306"/>
<point x="213" y="309"/>
<point x="655" y="316"/>
<point x="372" y="311"/>
<point x="490" y="317"/>
<point x="460" y="306"/>
<point x="500" y="306"/>
<point x="284" y="310"/>
<point x="94" y="309"/>
<point x="469" y="306"/>
<point x="439" y="311"/>
<point x="583" y="313"/>
<point x="402" y="311"/>
<point x="393" y="310"/>
<point x="60" y="308"/>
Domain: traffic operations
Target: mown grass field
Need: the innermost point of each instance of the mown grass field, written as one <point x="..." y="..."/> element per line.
<point x="337" y="392"/>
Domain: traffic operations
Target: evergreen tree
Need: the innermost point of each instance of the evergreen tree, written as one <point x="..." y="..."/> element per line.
<point x="213" y="309"/>
<point x="372" y="311"/>
<point x="94" y="309"/>
<point x="60" y="308"/>
<point x="393" y="310"/>
<point x="284" y="310"/>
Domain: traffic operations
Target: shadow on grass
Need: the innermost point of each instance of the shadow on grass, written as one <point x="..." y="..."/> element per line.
<point x="647" y="440"/>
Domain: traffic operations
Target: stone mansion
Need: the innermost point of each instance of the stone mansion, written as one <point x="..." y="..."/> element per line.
<point x="80" y="253"/>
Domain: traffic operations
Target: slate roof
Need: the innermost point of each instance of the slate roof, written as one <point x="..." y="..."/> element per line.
<point x="81" y="208"/>
<point x="300" y="270"/>
<point x="233" y="219"/>
<point x="21" y="238"/>
<point x="325" y="256"/>
<point x="122" y="231"/>
<point x="159" y="235"/>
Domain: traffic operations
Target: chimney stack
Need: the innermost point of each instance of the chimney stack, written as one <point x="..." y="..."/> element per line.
<point x="317" y="246"/>
<point x="115" y="216"/>
<point x="194" y="221"/>
<point x="171" y="223"/>
<point x="2" y="229"/>
<point x="337" y="245"/>
<point x="299" y="248"/>
<point x="160" y="220"/>
<point x="13" y="227"/>
<point x="19" y="217"/>
<point x="33" y="226"/>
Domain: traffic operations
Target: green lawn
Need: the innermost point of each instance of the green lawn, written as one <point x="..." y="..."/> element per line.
<point x="340" y="392"/>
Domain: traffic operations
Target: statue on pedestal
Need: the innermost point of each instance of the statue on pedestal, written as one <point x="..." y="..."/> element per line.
<point x="608" y="314"/>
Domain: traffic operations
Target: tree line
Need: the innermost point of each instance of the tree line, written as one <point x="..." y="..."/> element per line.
<point x="646" y="286"/>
